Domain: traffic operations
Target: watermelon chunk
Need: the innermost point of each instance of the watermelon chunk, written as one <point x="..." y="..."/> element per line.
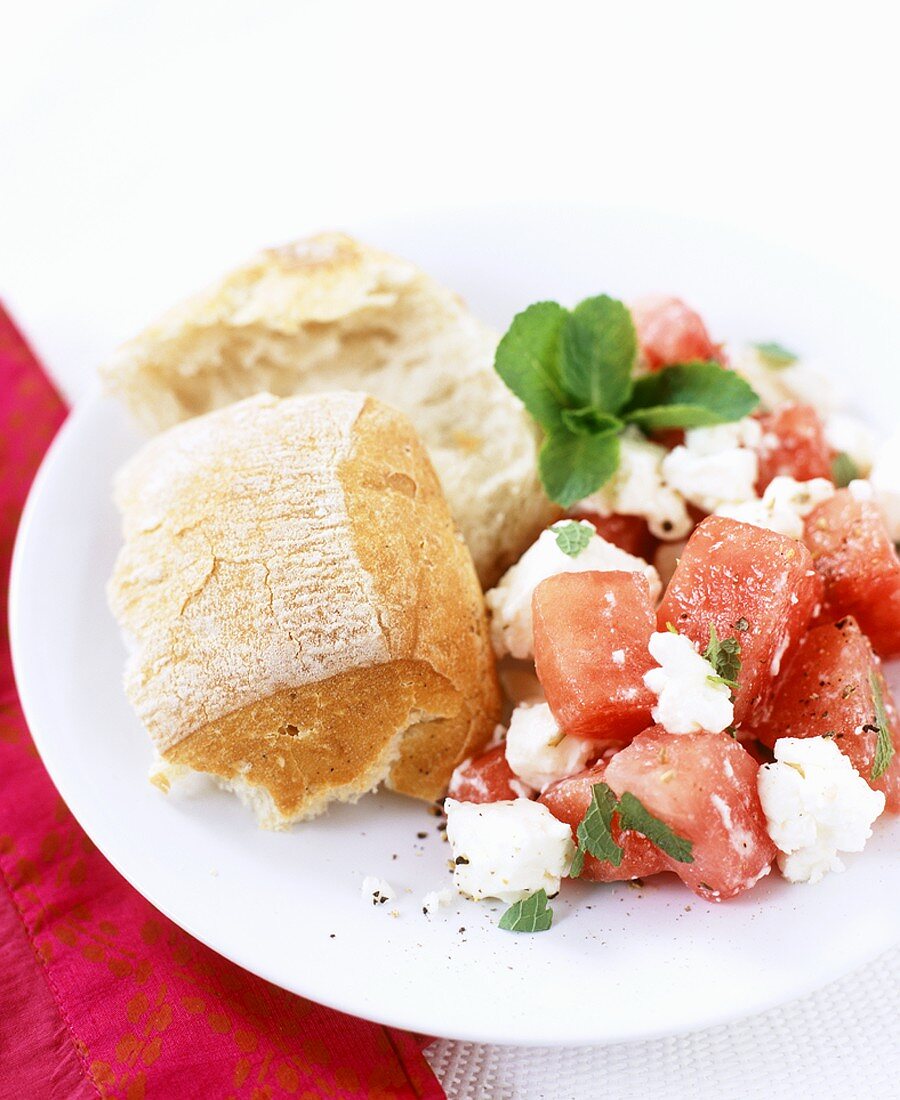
<point x="703" y="786"/>
<point x="669" y="331"/>
<point x="591" y="633"/>
<point x="568" y="800"/>
<point x="751" y="584"/>
<point x="629" y="533"/>
<point x="827" y="691"/>
<point x="793" y="445"/>
<point x="853" y="552"/>
<point x="486" y="778"/>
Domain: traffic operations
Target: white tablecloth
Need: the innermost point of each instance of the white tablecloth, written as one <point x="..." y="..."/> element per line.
<point x="843" y="1041"/>
<point x="147" y="146"/>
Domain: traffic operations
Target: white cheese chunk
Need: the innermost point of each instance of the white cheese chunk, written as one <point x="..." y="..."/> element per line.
<point x="885" y="482"/>
<point x="376" y="890"/>
<point x="638" y="489"/>
<point x="783" y="506"/>
<point x="436" y="899"/>
<point x="690" y="699"/>
<point x="539" y="752"/>
<point x="716" y="465"/>
<point x="816" y="805"/>
<point x="776" y="386"/>
<point x="854" y="437"/>
<point x="510" y="602"/>
<point x="507" y="850"/>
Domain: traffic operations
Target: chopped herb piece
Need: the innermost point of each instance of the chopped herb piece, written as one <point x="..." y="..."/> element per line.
<point x="884" y="746"/>
<point x="594" y="833"/>
<point x="531" y="914"/>
<point x="573" y="537"/>
<point x="725" y="657"/>
<point x="775" y="356"/>
<point x="742" y="624"/>
<point x="577" y="863"/>
<point x="844" y="470"/>
<point x="634" y="815"/>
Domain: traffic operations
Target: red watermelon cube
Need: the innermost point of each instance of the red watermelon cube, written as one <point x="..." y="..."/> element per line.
<point x="703" y="786"/>
<point x="629" y="533"/>
<point x="669" y="331"/>
<point x="793" y="445"/>
<point x="827" y="690"/>
<point x="853" y="552"/>
<point x="568" y="800"/>
<point x="751" y="584"/>
<point x="486" y="778"/>
<point x="591" y="638"/>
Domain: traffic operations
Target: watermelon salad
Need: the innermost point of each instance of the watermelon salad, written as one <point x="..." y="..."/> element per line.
<point x="693" y="653"/>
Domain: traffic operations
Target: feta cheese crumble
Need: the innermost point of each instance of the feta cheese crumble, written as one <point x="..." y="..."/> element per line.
<point x="885" y="482"/>
<point x="716" y="465"/>
<point x="781" y="385"/>
<point x="436" y="899"/>
<point x="816" y="805"/>
<point x="637" y="488"/>
<point x="507" y="850"/>
<point x="539" y="752"/>
<point x="690" y="699"/>
<point x="376" y="890"/>
<point x="783" y="506"/>
<point x="510" y="602"/>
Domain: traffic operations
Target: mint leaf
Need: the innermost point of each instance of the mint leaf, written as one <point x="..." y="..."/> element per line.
<point x="689" y="395"/>
<point x="589" y="422"/>
<point x="572" y="537"/>
<point x="594" y="834"/>
<point x="884" y="746"/>
<point x="775" y="356"/>
<point x="528" y="361"/>
<point x="599" y="347"/>
<point x="574" y="466"/>
<point x="725" y="657"/>
<point x="577" y="863"/>
<point x="634" y="815"/>
<point x="531" y="914"/>
<point x="843" y="470"/>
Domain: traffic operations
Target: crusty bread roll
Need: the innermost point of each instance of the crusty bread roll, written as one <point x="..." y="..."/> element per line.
<point x="329" y="313"/>
<point x="305" y="619"/>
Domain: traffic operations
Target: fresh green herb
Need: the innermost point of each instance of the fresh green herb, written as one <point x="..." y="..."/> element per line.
<point x="884" y="748"/>
<point x="689" y="395"/>
<point x="725" y="656"/>
<point x="531" y="914"/>
<point x="634" y="815"/>
<point x="843" y="470"/>
<point x="594" y="834"/>
<point x="775" y="356"/>
<point x="671" y="628"/>
<point x="572" y="537"/>
<point x="573" y="371"/>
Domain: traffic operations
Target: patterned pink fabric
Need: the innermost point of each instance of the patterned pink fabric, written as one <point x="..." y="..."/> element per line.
<point x="100" y="995"/>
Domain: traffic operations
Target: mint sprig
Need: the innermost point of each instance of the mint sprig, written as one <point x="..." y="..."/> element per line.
<point x="884" y="746"/>
<point x="574" y="372"/>
<point x="531" y="914"/>
<point x="843" y="470"/>
<point x="594" y="833"/>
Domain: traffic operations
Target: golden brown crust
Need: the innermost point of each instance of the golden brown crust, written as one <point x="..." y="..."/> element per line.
<point x="409" y="715"/>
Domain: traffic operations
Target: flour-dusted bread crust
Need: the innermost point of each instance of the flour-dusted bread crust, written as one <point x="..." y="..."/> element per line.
<point x="305" y="620"/>
<point x="329" y="313"/>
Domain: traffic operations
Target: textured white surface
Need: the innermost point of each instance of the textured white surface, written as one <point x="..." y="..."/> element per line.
<point x="843" y="1041"/>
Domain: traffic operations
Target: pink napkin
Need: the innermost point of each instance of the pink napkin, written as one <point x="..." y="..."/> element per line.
<point x="99" y="993"/>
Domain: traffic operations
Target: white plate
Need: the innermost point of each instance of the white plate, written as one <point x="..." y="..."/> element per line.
<point x="619" y="963"/>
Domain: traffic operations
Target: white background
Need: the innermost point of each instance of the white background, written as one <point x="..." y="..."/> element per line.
<point x="145" y="147"/>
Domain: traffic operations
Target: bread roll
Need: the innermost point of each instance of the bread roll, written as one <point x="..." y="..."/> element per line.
<point x="329" y="313"/>
<point x="305" y="619"/>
